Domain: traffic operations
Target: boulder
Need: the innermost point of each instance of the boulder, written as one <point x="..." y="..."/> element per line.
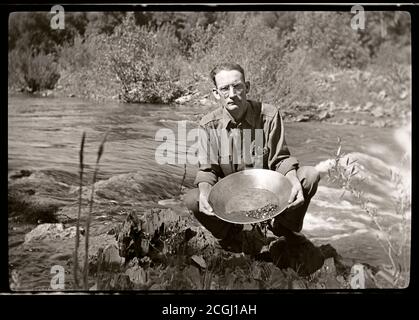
<point x="50" y="231"/>
<point x="184" y="99"/>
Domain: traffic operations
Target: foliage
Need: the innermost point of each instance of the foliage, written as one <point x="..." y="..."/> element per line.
<point x="144" y="61"/>
<point x="32" y="71"/>
<point x="394" y="240"/>
<point x="84" y="69"/>
<point x="329" y="34"/>
<point x="158" y="56"/>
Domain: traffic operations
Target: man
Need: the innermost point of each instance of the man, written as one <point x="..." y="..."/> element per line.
<point x="235" y="114"/>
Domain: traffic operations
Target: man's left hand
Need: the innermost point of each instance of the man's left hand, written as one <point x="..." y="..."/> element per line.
<point x="296" y="198"/>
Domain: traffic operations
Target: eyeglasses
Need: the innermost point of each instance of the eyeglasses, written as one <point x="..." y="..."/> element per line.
<point x="237" y="88"/>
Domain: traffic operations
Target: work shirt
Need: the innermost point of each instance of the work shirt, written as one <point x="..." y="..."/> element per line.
<point x="258" y="141"/>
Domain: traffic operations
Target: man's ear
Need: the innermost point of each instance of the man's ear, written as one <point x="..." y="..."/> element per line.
<point x="247" y="86"/>
<point x="216" y="94"/>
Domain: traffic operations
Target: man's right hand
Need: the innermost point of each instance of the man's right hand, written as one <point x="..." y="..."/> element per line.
<point x="204" y="206"/>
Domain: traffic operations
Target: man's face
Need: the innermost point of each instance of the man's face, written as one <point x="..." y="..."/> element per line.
<point x="231" y="90"/>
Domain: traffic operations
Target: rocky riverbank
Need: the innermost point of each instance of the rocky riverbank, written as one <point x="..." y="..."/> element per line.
<point x="349" y="97"/>
<point x="140" y="245"/>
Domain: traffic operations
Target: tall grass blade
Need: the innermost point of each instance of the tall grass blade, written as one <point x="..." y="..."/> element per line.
<point x="86" y="257"/>
<point x="76" y="251"/>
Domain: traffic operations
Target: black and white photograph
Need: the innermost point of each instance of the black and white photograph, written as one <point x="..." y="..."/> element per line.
<point x="209" y="149"/>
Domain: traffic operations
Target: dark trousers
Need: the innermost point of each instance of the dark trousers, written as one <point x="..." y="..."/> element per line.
<point x="286" y="224"/>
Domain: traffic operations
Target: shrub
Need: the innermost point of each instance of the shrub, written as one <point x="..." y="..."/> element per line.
<point x="32" y="71"/>
<point x="146" y="62"/>
<point x="84" y="69"/>
<point x="330" y="34"/>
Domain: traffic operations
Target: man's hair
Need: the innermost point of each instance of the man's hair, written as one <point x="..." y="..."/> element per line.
<point x="227" y="66"/>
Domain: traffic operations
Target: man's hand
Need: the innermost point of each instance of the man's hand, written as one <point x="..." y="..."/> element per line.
<point x="296" y="198"/>
<point x="204" y="206"/>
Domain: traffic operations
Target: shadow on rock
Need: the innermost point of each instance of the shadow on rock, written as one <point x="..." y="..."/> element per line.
<point x="303" y="257"/>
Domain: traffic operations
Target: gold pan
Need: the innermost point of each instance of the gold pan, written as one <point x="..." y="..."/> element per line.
<point x="235" y="195"/>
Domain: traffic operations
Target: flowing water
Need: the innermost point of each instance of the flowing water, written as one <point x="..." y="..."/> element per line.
<point x="44" y="135"/>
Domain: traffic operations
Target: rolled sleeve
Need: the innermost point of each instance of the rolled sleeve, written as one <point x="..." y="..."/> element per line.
<point x="209" y="169"/>
<point x="206" y="176"/>
<point x="287" y="165"/>
<point x="280" y="158"/>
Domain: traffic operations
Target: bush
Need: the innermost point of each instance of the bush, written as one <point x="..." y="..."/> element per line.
<point x="243" y="39"/>
<point x="84" y="70"/>
<point x="32" y="71"/>
<point x="146" y="62"/>
<point x="330" y="35"/>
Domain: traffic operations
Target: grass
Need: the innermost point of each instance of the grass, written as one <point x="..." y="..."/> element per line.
<point x="89" y="215"/>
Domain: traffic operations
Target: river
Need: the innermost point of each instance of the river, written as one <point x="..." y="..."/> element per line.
<point x="44" y="135"/>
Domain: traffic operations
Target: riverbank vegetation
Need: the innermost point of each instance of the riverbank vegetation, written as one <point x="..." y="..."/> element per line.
<point x="302" y="61"/>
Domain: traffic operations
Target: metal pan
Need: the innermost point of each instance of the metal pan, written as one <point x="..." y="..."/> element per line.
<point x="233" y="197"/>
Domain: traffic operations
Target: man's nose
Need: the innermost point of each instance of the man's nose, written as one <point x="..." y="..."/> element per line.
<point x="231" y="91"/>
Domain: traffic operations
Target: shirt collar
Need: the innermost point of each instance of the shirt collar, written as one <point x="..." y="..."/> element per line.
<point x="249" y="117"/>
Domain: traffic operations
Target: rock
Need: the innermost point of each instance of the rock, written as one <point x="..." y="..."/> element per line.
<point x="324" y="115"/>
<point x="358" y="108"/>
<point x="404" y="94"/>
<point x="109" y="258"/>
<point x="21" y="174"/>
<point x="378" y="112"/>
<point x="381" y="95"/>
<point x="368" y="105"/>
<point x="302" y="118"/>
<point x="50" y="231"/>
<point x="59" y="87"/>
<point x="71" y="95"/>
<point x="303" y="257"/>
<point x="184" y="99"/>
<point x="366" y="76"/>
<point x="322" y="105"/>
<point x="199" y="261"/>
